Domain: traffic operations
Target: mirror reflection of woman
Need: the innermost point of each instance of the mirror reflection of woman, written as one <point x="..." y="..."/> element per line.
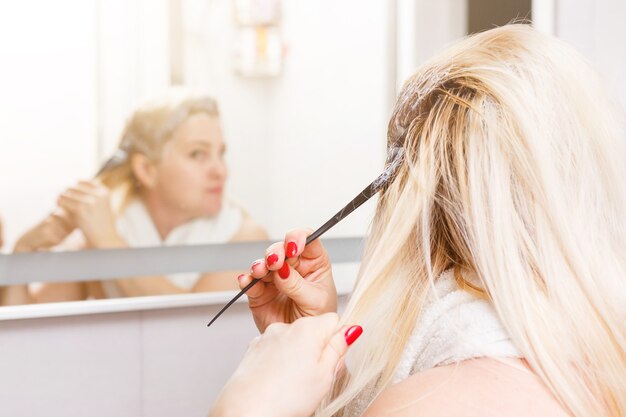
<point x="167" y="190"/>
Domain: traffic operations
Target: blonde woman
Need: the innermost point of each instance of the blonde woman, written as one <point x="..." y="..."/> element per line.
<point x="493" y="282"/>
<point x="166" y="188"/>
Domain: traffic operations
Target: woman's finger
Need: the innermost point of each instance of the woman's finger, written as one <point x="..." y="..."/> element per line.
<point x="61" y="217"/>
<point x="337" y="346"/>
<point x="256" y="291"/>
<point x="295" y="241"/>
<point x="77" y="196"/>
<point x="274" y="256"/>
<point x="87" y="185"/>
<point x="69" y="204"/>
<point x="288" y="281"/>
<point x="80" y="189"/>
<point x="309" y="258"/>
<point x="258" y="269"/>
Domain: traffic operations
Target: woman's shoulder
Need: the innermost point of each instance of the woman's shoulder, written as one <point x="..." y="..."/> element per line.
<point x="473" y="387"/>
<point x="249" y="230"/>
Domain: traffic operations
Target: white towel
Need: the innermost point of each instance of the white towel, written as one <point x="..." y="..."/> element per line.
<point x="455" y="325"/>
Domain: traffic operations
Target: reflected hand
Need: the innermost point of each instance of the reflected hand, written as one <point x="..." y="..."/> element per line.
<point x="302" y="286"/>
<point x="48" y="233"/>
<point x="288" y="370"/>
<point x="89" y="206"/>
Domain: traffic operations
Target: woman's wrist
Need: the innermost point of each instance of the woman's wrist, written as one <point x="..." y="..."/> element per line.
<point x="111" y="241"/>
<point x="21" y="247"/>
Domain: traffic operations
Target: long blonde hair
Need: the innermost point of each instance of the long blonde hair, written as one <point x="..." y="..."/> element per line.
<point x="513" y="171"/>
<point x="147" y="131"/>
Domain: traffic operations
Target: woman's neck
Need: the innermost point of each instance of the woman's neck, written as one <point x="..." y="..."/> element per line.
<point x="164" y="217"/>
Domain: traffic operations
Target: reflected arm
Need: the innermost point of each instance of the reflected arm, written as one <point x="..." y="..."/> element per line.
<point x="15" y="295"/>
<point x="130" y="286"/>
<point x="153" y="284"/>
<point x="226" y="280"/>
<point x="52" y="231"/>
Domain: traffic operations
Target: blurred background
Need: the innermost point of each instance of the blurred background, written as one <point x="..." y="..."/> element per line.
<point x="305" y="88"/>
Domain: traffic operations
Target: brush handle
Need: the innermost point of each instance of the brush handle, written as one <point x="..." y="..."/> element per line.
<point x="361" y="198"/>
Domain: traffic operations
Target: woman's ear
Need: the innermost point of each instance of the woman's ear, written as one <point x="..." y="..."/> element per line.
<point x="143" y="169"/>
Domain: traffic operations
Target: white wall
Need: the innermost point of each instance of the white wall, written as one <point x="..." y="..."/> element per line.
<point x="72" y="71"/>
<point x="329" y="112"/>
<point x="597" y="30"/>
<point x="151" y="363"/>
<point x="47" y="105"/>
<point x="427" y="27"/>
<point x="154" y="363"/>
<point x="132" y="51"/>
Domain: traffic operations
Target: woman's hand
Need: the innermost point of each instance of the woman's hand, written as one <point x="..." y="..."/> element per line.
<point x="89" y="206"/>
<point x="48" y="233"/>
<point x="302" y="286"/>
<point x="288" y="370"/>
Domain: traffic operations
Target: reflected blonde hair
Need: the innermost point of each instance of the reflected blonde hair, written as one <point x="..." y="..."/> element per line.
<point x="513" y="171"/>
<point x="147" y="131"/>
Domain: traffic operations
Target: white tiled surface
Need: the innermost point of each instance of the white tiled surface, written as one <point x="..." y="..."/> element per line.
<point x="72" y="366"/>
<point x="187" y="363"/>
<point x="153" y="363"/>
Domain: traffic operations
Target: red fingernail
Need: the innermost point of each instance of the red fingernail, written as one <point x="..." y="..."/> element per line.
<point x="283" y="272"/>
<point x="240" y="276"/>
<point x="353" y="334"/>
<point x="271" y="259"/>
<point x="292" y="249"/>
<point x="254" y="265"/>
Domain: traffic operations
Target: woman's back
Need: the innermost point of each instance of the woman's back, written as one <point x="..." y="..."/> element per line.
<point x="514" y="171"/>
<point x="476" y="387"/>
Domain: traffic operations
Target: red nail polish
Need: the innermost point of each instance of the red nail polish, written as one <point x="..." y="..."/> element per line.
<point x="254" y="265"/>
<point x="271" y="259"/>
<point x="240" y="276"/>
<point x="353" y="334"/>
<point x="291" y="250"/>
<point x="283" y="272"/>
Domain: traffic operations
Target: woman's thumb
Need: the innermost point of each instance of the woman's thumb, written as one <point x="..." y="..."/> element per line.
<point x="338" y="345"/>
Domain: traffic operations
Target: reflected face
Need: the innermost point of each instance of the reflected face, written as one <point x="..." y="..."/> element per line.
<point x="191" y="173"/>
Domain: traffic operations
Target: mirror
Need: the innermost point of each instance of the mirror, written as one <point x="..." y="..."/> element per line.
<point x="75" y="80"/>
<point x="301" y="91"/>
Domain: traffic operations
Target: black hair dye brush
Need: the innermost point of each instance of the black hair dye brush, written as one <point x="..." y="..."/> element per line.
<point x="117" y="159"/>
<point x="394" y="160"/>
